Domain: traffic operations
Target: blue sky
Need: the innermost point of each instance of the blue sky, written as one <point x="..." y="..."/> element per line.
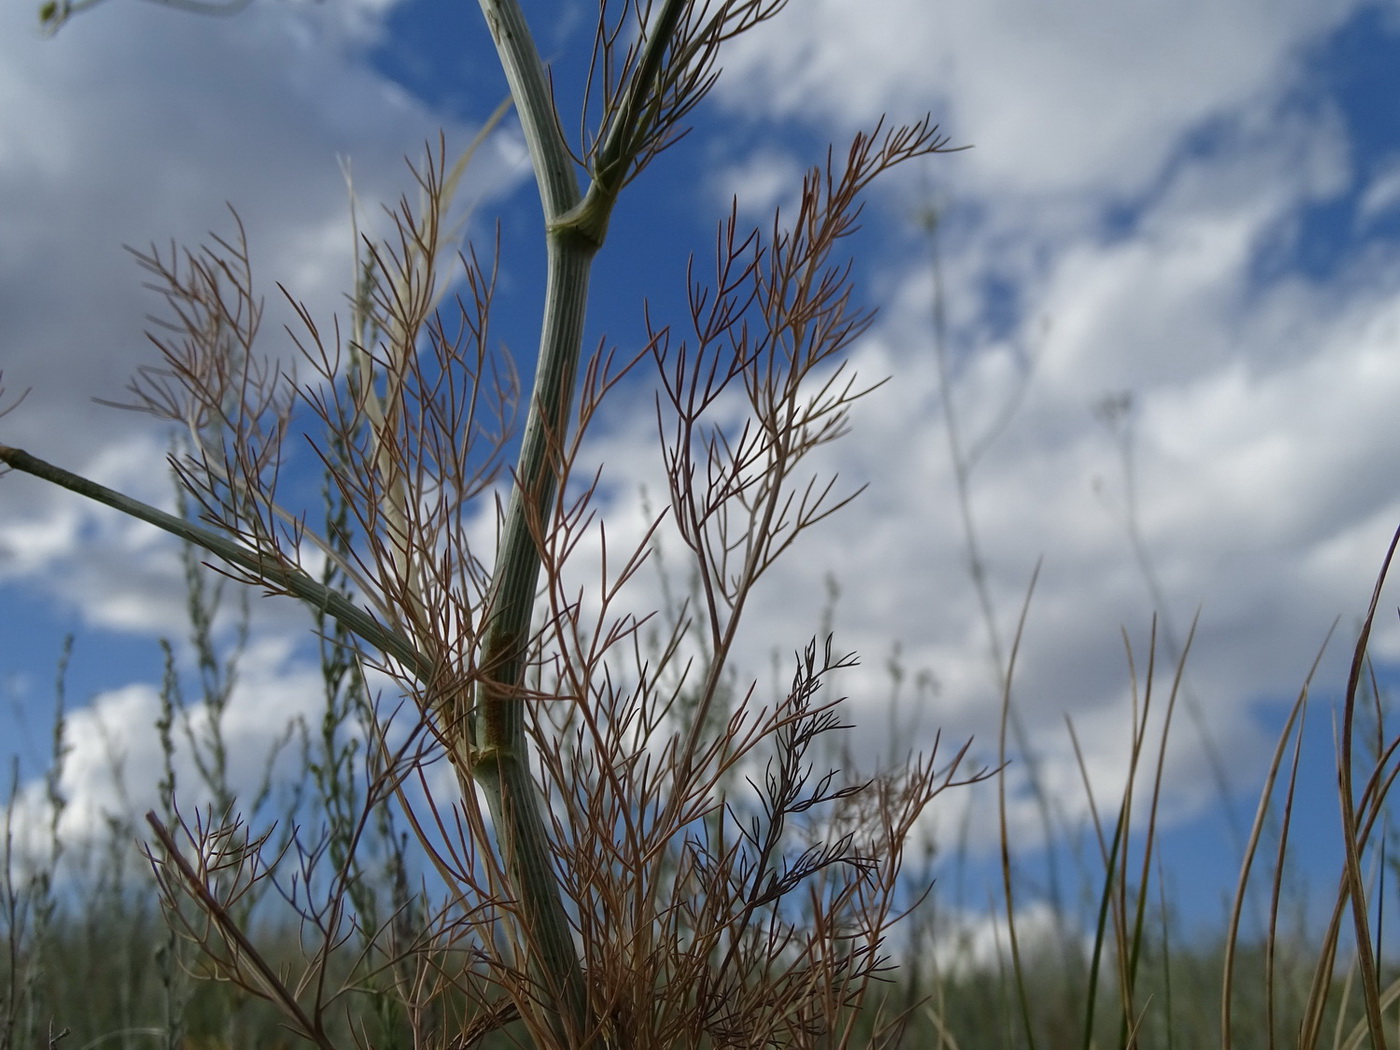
<point x="1197" y="204"/>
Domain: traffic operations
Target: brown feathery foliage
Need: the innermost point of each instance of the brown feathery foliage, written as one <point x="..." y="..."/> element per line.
<point x="600" y="878"/>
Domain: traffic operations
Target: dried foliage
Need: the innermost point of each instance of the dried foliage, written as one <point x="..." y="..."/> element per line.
<point x="617" y="854"/>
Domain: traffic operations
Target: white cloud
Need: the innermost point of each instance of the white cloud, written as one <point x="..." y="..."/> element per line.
<point x="759" y="183"/>
<point x="981" y="943"/>
<point x="138" y="124"/>
<point x="1055" y="98"/>
<point x="114" y="757"/>
<point x="1382" y="195"/>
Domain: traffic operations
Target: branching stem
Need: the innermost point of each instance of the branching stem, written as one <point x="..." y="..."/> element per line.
<point x="264" y="567"/>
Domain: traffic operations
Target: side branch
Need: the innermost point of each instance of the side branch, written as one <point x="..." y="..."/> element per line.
<point x="272" y="571"/>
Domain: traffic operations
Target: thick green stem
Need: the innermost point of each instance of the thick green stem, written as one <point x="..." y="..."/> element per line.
<point x="501" y="759"/>
<point x="500" y="754"/>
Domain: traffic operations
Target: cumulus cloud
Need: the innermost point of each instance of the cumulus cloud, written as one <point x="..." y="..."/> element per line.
<point x="114" y="758"/>
<point x="138" y="125"/>
<point x="1093" y="93"/>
